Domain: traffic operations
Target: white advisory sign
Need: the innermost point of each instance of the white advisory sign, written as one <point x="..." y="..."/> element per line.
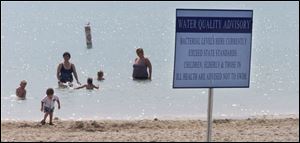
<point x="212" y="48"/>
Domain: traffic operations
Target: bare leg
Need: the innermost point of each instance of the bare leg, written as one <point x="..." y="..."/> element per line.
<point x="45" y="117"/>
<point x="51" y="115"/>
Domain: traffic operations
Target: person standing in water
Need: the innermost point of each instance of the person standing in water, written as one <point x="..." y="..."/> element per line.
<point x="65" y="70"/>
<point x="140" y="66"/>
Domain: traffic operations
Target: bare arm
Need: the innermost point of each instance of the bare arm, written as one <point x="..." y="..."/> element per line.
<point x="97" y="87"/>
<point x="149" y="65"/>
<point x="75" y="73"/>
<point x="58" y="102"/>
<point x="18" y="92"/>
<point x="80" y="87"/>
<point x="42" y="106"/>
<point x="58" y="72"/>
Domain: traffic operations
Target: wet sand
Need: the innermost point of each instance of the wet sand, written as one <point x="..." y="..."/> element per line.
<point x="254" y="129"/>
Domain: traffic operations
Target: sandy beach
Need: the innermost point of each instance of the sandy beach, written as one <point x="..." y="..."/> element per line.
<point x="254" y="129"/>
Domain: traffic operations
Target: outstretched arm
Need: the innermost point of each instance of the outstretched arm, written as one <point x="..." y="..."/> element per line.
<point x="80" y="87"/>
<point x="97" y="87"/>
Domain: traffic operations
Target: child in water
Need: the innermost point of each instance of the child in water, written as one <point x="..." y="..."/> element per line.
<point x="20" y="91"/>
<point x="100" y="75"/>
<point x="89" y="85"/>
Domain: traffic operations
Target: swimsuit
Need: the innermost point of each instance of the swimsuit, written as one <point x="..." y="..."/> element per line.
<point x="140" y="71"/>
<point x="66" y="74"/>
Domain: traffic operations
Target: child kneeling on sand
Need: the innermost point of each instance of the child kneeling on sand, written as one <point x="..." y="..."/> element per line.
<point x="48" y="105"/>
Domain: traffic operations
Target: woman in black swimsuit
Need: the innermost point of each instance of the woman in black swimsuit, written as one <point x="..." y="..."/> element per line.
<point x="140" y="66"/>
<point x="65" y="70"/>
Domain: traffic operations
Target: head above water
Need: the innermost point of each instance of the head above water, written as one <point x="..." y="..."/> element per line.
<point x="140" y="52"/>
<point x="100" y="74"/>
<point x="23" y="83"/>
<point x="90" y="80"/>
<point x="66" y="55"/>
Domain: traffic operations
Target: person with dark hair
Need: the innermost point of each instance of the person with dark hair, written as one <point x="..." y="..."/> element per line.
<point x="140" y="66"/>
<point x="100" y="75"/>
<point x="65" y="70"/>
<point x="47" y="105"/>
<point x="89" y="85"/>
<point x="21" y="91"/>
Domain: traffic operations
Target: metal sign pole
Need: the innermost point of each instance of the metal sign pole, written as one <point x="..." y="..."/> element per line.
<point x="209" y="114"/>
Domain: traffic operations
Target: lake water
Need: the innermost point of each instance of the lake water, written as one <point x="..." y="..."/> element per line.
<point x="34" y="36"/>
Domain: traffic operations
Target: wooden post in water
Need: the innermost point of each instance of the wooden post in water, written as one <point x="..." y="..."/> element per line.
<point x="88" y="35"/>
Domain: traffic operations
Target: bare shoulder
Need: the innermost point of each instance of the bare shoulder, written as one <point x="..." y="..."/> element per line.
<point x="17" y="91"/>
<point x="59" y="65"/>
<point x="72" y="65"/>
<point x="147" y="60"/>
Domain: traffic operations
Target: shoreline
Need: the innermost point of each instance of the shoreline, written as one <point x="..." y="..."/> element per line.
<point x="277" y="116"/>
<point x="251" y="129"/>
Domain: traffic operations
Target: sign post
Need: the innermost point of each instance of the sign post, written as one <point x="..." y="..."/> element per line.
<point x="209" y="114"/>
<point x="212" y="50"/>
